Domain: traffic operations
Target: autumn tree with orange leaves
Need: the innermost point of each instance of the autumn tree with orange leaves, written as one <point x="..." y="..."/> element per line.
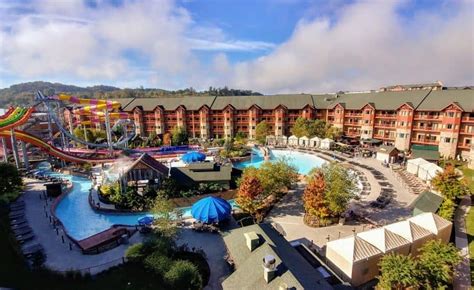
<point x="248" y="195"/>
<point x="315" y="203"/>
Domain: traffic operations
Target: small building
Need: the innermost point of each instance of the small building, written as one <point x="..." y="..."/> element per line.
<point x="145" y="171"/>
<point x="303" y="141"/>
<point x="427" y="171"/>
<point x="293" y="140"/>
<point x="413" y="165"/>
<point x="270" y="140"/>
<point x="427" y="202"/>
<point x="387" y="154"/>
<point x="326" y="144"/>
<point x="356" y="258"/>
<point x="193" y="174"/>
<point x="264" y="259"/>
<point x="314" y="142"/>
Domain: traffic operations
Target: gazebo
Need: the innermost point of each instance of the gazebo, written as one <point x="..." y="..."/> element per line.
<point x="303" y="141"/>
<point x="271" y="140"/>
<point x="211" y="210"/>
<point x="314" y="142"/>
<point x="193" y="156"/>
<point x="413" y="165"/>
<point x="293" y="140"/>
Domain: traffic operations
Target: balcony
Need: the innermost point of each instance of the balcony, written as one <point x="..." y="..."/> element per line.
<point x="425" y="128"/>
<point x="424" y="141"/>
<point x="352" y="115"/>
<point x="385" y="126"/>
<point x="383" y="137"/>
<point x="352" y="124"/>
<point x="426" y="117"/>
<point x="386" y="116"/>
<point x="467" y="119"/>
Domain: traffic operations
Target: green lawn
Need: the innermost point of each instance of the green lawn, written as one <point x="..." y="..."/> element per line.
<point x="469" y="176"/>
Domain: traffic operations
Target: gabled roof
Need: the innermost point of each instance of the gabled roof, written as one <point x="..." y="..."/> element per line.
<point x="386" y="149"/>
<point x="438" y="100"/>
<point x="270" y="102"/>
<point x="430" y="222"/>
<point x="294" y="270"/>
<point x="383" y="239"/>
<point x="170" y="103"/>
<point x="353" y="249"/>
<point x="408" y="230"/>
<point x="381" y="100"/>
<point x="150" y="162"/>
<point x="201" y="172"/>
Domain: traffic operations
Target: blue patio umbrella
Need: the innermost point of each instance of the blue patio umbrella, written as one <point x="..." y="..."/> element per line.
<point x="193" y="156"/>
<point x="211" y="210"/>
<point x="146" y="220"/>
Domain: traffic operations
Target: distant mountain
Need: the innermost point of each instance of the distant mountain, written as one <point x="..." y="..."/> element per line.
<point x="23" y="94"/>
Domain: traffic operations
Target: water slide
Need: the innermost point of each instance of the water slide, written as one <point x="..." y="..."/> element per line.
<point x="7" y="113"/>
<point x="16" y="117"/>
<point x="50" y="149"/>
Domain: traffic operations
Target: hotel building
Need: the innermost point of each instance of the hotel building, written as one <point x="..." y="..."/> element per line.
<point x="421" y="115"/>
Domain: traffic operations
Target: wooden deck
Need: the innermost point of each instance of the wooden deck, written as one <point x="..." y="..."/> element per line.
<point x="103" y="239"/>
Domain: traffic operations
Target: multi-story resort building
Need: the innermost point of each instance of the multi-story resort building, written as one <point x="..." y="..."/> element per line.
<point x="428" y="115"/>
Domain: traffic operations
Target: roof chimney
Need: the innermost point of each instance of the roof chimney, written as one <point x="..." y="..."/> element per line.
<point x="269" y="268"/>
<point x="252" y="240"/>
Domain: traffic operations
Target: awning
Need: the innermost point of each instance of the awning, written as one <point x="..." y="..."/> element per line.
<point x="425" y="154"/>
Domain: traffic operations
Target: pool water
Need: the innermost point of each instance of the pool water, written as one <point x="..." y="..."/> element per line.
<point x="302" y="161"/>
<point x="81" y="221"/>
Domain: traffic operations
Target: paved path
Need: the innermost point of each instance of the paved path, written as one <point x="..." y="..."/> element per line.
<point x="214" y="247"/>
<point x="59" y="257"/>
<point x="289" y="211"/>
<point x="463" y="279"/>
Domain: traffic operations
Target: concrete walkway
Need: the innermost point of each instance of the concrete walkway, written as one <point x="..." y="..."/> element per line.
<point x="214" y="247"/>
<point x="289" y="211"/>
<point x="59" y="255"/>
<point x="462" y="280"/>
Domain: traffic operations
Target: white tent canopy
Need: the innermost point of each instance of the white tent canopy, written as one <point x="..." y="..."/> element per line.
<point x="326" y="144"/>
<point x="414" y="164"/>
<point x="385" y="240"/>
<point x="314" y="142"/>
<point x="428" y="171"/>
<point x="293" y="140"/>
<point x="303" y="141"/>
<point x="281" y="140"/>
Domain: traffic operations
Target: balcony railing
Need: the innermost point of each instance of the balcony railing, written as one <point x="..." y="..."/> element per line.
<point x="467" y="119"/>
<point x="426" y="117"/>
<point x="424" y="141"/>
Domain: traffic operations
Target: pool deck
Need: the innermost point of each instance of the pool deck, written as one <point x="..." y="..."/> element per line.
<point x="289" y="211"/>
<point x="59" y="256"/>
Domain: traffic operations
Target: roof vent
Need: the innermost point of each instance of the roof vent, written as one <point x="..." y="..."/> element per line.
<point x="252" y="240"/>
<point x="269" y="268"/>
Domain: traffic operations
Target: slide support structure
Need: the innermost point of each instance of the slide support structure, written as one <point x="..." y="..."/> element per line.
<point x="5" y="150"/>
<point x="15" y="149"/>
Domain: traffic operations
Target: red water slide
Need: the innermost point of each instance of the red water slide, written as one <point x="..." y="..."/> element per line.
<point x="48" y="148"/>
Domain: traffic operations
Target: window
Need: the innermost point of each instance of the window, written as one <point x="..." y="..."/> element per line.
<point x="451" y="114"/>
<point x="447" y="140"/>
<point x="449" y="126"/>
<point x="467" y="142"/>
<point x="367" y="112"/>
<point x="401" y="135"/>
<point x="367" y="121"/>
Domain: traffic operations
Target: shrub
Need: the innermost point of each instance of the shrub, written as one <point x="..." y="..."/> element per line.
<point x="157" y="262"/>
<point x="135" y="252"/>
<point x="10" y="182"/>
<point x="183" y="275"/>
<point x="446" y="210"/>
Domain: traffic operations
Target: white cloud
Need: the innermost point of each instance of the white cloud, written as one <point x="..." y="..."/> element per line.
<point x="368" y="46"/>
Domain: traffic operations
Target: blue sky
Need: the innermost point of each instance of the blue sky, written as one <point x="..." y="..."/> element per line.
<point x="273" y="46"/>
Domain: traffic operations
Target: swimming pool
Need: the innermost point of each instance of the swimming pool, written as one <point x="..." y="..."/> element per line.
<point x="302" y="161"/>
<point x="81" y="221"/>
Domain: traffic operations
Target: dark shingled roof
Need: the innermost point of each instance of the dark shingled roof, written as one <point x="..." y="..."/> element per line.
<point x="201" y="172"/>
<point x="429" y="155"/>
<point x="170" y="103"/>
<point x="427" y="202"/>
<point x="293" y="269"/>
<point x="380" y="100"/>
<point x="150" y="162"/>
<point x="292" y="102"/>
<point x="124" y="102"/>
<point x="438" y="100"/>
